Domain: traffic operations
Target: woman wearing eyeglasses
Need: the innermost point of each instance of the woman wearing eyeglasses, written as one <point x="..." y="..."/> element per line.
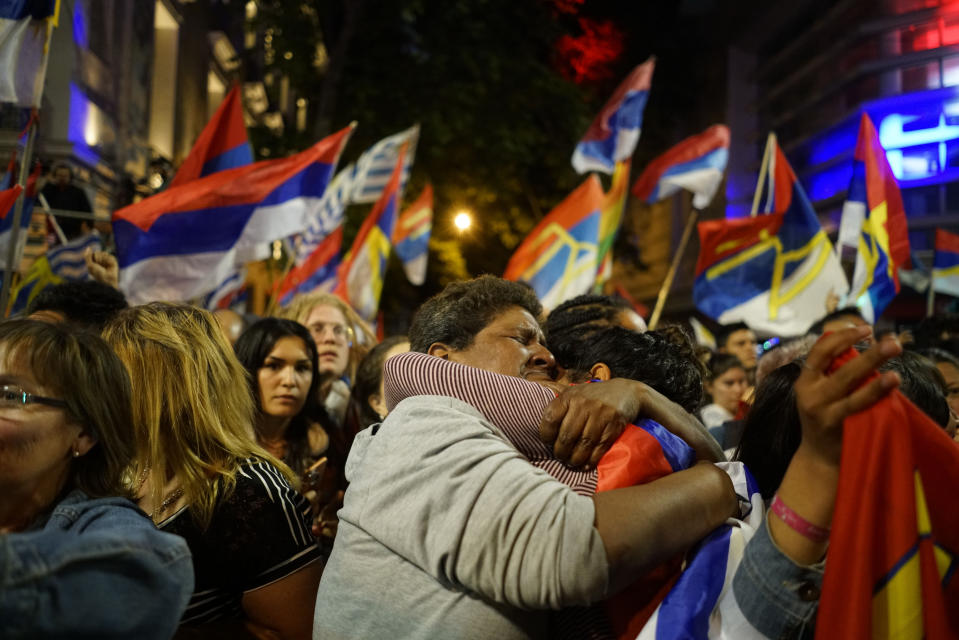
<point x="342" y="339"/>
<point x="200" y="473"/>
<point x="74" y="551"/>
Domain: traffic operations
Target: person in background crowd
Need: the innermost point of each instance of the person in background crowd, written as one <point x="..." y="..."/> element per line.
<point x="367" y="400"/>
<point x="739" y="340"/>
<point x="948" y="366"/>
<point x="78" y="558"/>
<point x="61" y="193"/>
<point x="342" y="339"/>
<point x="280" y="357"/>
<point x="89" y="304"/>
<point x="940" y="331"/>
<point x="447" y="531"/>
<point x="772" y="431"/>
<point x="726" y="385"/>
<point x="839" y="319"/>
<point x="591" y="311"/>
<point x="201" y="474"/>
<point x="231" y="324"/>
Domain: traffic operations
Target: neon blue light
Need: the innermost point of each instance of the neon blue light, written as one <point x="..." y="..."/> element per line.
<point x="80" y="26"/>
<point x="79" y="107"/>
<point x="919" y="131"/>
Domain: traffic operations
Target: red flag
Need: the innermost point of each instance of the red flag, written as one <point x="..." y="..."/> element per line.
<point x="891" y="568"/>
<point x="222" y="144"/>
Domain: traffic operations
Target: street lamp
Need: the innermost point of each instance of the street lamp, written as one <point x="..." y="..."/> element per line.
<point x="463" y="220"/>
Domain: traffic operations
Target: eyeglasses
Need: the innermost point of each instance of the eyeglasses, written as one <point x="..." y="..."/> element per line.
<point x="340" y="332"/>
<point x="13" y="396"/>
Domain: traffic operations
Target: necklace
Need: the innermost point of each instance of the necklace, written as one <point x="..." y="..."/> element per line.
<point x="168" y="501"/>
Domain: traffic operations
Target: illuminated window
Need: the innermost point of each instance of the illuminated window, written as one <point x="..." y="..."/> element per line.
<point x="920" y="37"/>
<point x="919" y="77"/>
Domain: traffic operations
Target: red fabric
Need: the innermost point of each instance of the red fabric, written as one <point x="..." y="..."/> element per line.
<point x="874" y="528"/>
<point x="636" y="458"/>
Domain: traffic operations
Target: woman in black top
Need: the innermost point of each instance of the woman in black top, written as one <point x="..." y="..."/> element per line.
<point x="200" y="473"/>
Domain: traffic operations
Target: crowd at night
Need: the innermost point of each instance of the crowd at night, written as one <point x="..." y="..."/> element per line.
<point x="475" y="319"/>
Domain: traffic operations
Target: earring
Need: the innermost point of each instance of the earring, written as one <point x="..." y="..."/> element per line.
<point x="76" y="453"/>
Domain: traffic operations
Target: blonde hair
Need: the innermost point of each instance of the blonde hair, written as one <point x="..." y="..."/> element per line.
<point x="192" y="409"/>
<point x="363" y="337"/>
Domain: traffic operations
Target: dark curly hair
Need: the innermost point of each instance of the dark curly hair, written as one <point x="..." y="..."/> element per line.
<point x="648" y="357"/>
<point x="89" y="304"/>
<point x="461" y="310"/>
<point x="369" y="375"/>
<point x="588" y="311"/>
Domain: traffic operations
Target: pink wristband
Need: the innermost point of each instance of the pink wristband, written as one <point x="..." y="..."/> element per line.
<point x="797" y="523"/>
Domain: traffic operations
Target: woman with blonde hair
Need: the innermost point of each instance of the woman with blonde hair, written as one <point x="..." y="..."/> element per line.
<point x="342" y="339"/>
<point x="200" y="473"/>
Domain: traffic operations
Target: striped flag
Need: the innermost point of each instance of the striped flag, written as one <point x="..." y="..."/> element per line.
<point x="897" y="476"/>
<point x="67" y="261"/>
<point x="25" y="29"/>
<point x="375" y="166"/>
<point x="328" y="216"/>
<point x="773" y="271"/>
<point x="412" y="236"/>
<point x="696" y="164"/>
<point x="361" y="275"/>
<point x="558" y="258"/>
<point x="610" y="219"/>
<point x="945" y="268"/>
<point x="318" y="271"/>
<point x="613" y="135"/>
<point x="222" y="144"/>
<point x="874" y="207"/>
<point x="183" y="242"/>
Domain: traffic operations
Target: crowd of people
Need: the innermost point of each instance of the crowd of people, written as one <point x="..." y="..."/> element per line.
<point x="500" y="472"/>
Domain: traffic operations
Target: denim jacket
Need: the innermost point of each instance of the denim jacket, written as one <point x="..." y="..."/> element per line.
<point x="95" y="568"/>
<point x="777" y="596"/>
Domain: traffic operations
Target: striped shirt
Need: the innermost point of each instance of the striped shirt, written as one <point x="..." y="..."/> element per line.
<point x="514" y="405"/>
<point x="260" y="533"/>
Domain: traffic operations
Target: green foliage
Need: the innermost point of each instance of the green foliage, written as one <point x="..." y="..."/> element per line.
<point x="498" y="121"/>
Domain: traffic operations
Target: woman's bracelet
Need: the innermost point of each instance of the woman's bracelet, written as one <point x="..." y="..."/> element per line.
<point x="797" y="523"/>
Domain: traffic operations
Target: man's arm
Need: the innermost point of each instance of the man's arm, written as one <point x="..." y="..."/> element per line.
<point x="585" y="420"/>
<point x="642" y="526"/>
<point x="440" y="488"/>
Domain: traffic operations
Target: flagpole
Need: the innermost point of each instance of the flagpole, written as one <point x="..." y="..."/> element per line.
<point x="763" y="170"/>
<point x="17" y="215"/>
<point x="671" y="274"/>
<point x="931" y="296"/>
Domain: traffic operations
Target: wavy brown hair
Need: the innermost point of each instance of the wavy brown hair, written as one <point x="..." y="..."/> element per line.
<point x="192" y="410"/>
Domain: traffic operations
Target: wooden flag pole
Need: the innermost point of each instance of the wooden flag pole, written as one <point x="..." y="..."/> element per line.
<point x="17" y="215"/>
<point x="671" y="274"/>
<point x="931" y="296"/>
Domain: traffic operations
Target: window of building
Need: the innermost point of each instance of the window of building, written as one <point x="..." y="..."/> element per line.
<point x="921" y="201"/>
<point x="920" y="77"/>
<point x="920" y="37"/>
